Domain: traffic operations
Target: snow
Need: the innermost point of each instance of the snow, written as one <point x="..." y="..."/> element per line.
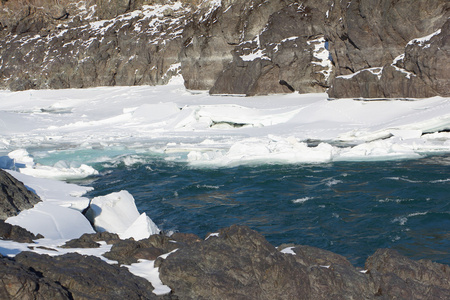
<point x="424" y="40"/>
<point x="322" y="56"/>
<point x="56" y="192"/>
<point x="375" y="71"/>
<point x="254" y="55"/>
<point x="52" y="135"/>
<point x="153" y="119"/>
<point x="52" y="221"/>
<point x="117" y="213"/>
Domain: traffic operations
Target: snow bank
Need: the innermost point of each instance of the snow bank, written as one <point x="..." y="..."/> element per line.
<point x="117" y="213"/>
<point x="53" y="221"/>
<point x="56" y="192"/>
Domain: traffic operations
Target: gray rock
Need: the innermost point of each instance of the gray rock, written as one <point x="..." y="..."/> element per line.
<point x="87" y="277"/>
<point x="20" y="282"/>
<point x="16" y="233"/>
<point x="14" y="196"/>
<point x="238" y="264"/>
<point x="130" y="251"/>
<point x="396" y="276"/>
<point x="375" y="33"/>
<point x="214" y="32"/>
<point x="76" y="52"/>
<point x="89" y="240"/>
<point x="61" y="46"/>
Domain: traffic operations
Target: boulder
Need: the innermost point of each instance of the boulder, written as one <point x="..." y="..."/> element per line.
<point x="14" y="196"/>
<point x="130" y="251"/>
<point x="237" y="264"/>
<point x="396" y="276"/>
<point x="16" y="233"/>
<point x="89" y="240"/>
<point x="87" y="277"/>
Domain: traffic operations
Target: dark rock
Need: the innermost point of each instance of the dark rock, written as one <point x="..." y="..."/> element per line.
<point x="16" y="233"/>
<point x="332" y="276"/>
<point x="399" y="277"/>
<point x="238" y="264"/>
<point x="185" y="238"/>
<point x="129" y="251"/>
<point x="20" y="282"/>
<point x="76" y="52"/>
<point x="230" y="47"/>
<point x="419" y="72"/>
<point x="87" y="277"/>
<point x="375" y="34"/>
<point x="89" y="240"/>
<point x="14" y="196"/>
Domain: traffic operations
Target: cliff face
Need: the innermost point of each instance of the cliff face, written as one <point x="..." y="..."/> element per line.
<point x="89" y="43"/>
<point x="357" y="48"/>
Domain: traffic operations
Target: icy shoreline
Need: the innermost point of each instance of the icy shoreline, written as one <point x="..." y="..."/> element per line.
<point x="48" y="135"/>
<point x="216" y="131"/>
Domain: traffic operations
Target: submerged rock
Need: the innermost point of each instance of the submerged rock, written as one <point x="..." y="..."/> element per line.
<point x="14" y="196"/>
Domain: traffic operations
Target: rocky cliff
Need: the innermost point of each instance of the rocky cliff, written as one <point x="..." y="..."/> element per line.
<point x="358" y="48"/>
<point x="77" y="44"/>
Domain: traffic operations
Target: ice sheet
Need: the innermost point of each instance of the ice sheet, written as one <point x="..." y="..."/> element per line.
<point x="150" y="118"/>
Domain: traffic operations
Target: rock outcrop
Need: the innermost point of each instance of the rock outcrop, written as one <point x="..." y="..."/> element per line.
<point x="235" y="263"/>
<point x="355" y="48"/>
<point x="16" y="233"/>
<point x="238" y="263"/>
<point x="86" y="277"/>
<point x="19" y="282"/>
<point x="96" y="43"/>
<point x="359" y="48"/>
<point x="14" y="196"/>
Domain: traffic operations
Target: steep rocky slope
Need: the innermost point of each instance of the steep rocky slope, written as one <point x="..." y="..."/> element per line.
<point x="89" y="43"/>
<point x="352" y="48"/>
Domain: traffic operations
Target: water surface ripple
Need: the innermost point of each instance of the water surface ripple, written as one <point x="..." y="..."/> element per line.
<point x="348" y="208"/>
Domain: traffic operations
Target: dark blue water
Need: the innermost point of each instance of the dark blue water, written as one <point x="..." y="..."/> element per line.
<point x="348" y="208"/>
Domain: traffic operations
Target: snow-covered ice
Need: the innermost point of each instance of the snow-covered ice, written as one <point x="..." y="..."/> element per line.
<point x="117" y="213"/>
<point x="53" y="221"/>
<point x="169" y="119"/>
